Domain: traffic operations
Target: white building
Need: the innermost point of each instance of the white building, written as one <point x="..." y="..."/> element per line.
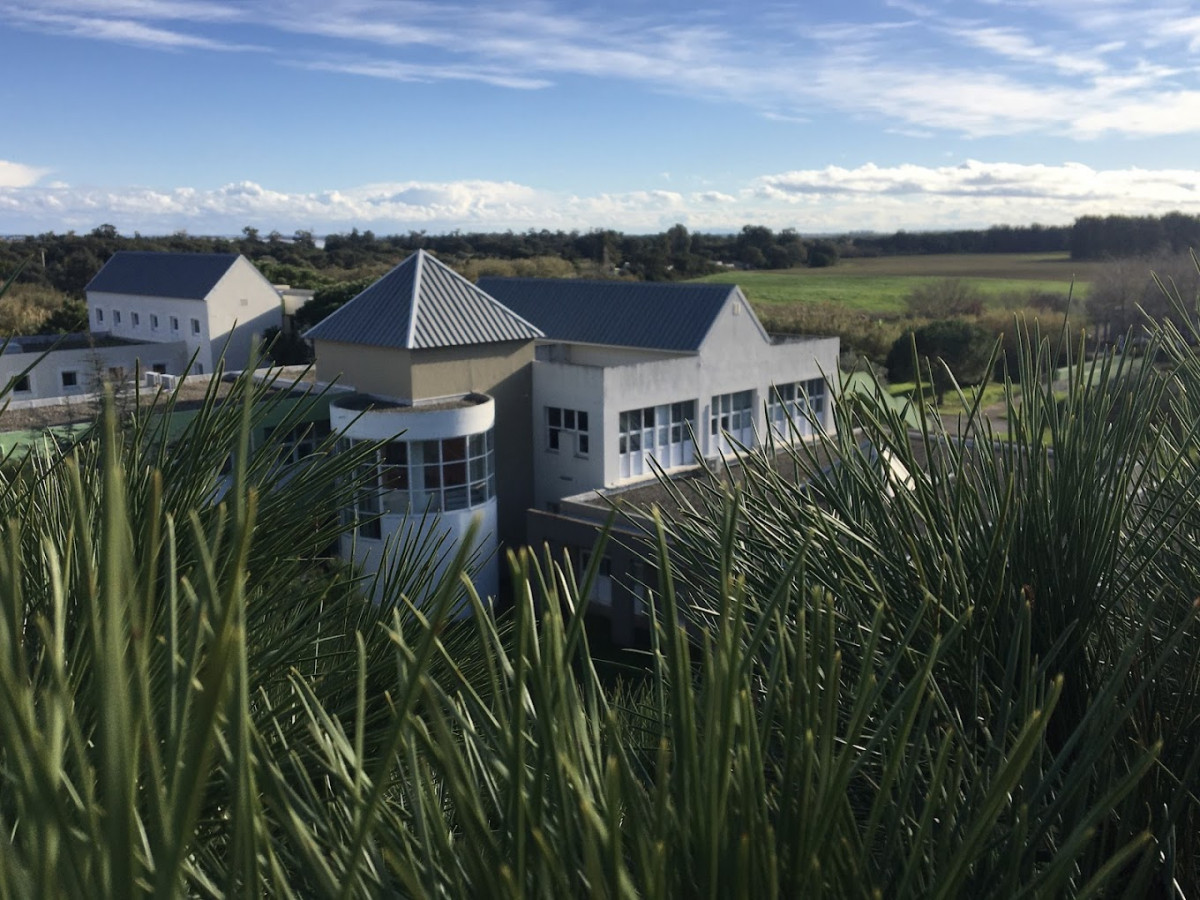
<point x="586" y="383"/>
<point x="442" y="373"/>
<point x="631" y="372"/>
<point x="213" y="303"/>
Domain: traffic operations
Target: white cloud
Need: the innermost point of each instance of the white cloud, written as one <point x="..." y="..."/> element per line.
<point x="832" y="199"/>
<point x="1083" y="75"/>
<point x="19" y="175"/>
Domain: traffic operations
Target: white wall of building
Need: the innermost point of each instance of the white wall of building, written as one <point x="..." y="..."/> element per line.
<point x="240" y="307"/>
<point x="158" y="320"/>
<point x="563" y="472"/>
<point x="737" y="355"/>
<point x="69" y="373"/>
<point x="400" y="527"/>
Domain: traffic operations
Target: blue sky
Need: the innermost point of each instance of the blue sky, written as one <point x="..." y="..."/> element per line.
<point x="208" y="115"/>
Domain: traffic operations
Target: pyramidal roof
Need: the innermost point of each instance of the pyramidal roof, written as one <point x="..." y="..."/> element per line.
<point x="420" y="305"/>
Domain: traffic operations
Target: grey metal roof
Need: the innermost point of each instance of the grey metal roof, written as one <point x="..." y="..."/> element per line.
<point x="644" y="314"/>
<point x="184" y="276"/>
<point x="422" y="304"/>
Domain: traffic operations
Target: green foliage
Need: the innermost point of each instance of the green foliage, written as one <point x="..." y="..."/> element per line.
<point x="947" y="351"/>
<point x="938" y="665"/>
<point x="944" y="298"/>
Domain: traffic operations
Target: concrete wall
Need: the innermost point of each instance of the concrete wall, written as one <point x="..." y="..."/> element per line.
<point x="372" y="370"/>
<point x="88" y="364"/>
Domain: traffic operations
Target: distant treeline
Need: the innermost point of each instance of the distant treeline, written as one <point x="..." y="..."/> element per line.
<point x="66" y="262"/>
<point x="1116" y="237"/>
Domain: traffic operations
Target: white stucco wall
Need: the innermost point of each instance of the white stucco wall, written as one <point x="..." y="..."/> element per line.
<point x="737" y="355"/>
<point x="183" y="311"/>
<point x="240" y="306"/>
<point x="562" y="473"/>
<point x="46" y="378"/>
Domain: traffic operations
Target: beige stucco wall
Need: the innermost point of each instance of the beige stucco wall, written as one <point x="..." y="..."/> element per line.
<point x="505" y="371"/>
<point x="372" y="370"/>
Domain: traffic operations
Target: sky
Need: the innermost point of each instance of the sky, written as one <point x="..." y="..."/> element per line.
<point x="325" y="115"/>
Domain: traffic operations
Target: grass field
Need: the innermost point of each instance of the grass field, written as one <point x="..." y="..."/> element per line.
<point x="879" y="285"/>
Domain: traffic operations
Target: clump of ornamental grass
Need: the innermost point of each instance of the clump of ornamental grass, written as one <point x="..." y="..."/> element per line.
<point x="937" y="665"/>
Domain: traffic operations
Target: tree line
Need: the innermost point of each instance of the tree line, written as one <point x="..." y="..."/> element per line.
<point x="1121" y="237"/>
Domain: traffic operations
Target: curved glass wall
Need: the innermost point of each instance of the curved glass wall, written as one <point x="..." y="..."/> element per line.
<point x="439" y="475"/>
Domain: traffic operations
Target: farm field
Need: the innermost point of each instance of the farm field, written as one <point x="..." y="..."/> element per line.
<point x="879" y="285"/>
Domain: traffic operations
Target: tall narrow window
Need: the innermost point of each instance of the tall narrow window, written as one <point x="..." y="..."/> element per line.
<point x="731" y="421"/>
<point x="663" y="433"/>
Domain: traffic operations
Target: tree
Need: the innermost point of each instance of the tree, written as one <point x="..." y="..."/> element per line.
<point x="822" y="254"/>
<point x="943" y="298"/>
<point x="947" y="351"/>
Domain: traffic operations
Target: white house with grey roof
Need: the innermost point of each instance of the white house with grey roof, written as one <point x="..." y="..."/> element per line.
<point x="214" y="303"/>
<point x="634" y="374"/>
<point x="515" y="393"/>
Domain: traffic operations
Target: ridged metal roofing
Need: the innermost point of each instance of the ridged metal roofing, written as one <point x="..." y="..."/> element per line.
<point x="419" y="305"/>
<point x="644" y="314"/>
<point x="148" y="273"/>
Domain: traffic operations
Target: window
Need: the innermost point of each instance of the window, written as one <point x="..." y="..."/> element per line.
<point x="135" y="319"/>
<point x="160" y="368"/>
<point x="441" y="475"/>
<point x="21" y="385"/>
<point x="663" y="432"/>
<point x="116" y="317"/>
<point x="195" y="326"/>
<point x="154" y="321"/>
<point x="174" y="323"/>
<point x="567" y="427"/>
<point x="70" y="379"/>
<point x="793" y="408"/>
<point x="99" y="315"/>
<point x="731" y="419"/>
<point x="299" y="442"/>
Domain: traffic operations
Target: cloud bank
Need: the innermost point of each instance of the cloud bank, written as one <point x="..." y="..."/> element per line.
<point x="973" y="194"/>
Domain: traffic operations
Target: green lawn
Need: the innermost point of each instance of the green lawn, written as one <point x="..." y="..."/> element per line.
<point x="880" y="285"/>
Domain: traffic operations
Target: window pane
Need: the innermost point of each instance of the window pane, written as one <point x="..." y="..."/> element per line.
<point x="648" y="416"/>
<point x="454" y="473"/>
<point x="478" y="493"/>
<point x="433" y="476"/>
<point x="569" y="419"/>
<point x="583" y="421"/>
<point x="553" y="438"/>
<point x="554" y="416"/>
<point x="432" y="451"/>
<point x="476" y="445"/>
<point x="583" y="445"/>
<point x="456" y="498"/>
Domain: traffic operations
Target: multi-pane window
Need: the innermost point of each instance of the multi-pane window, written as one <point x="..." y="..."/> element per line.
<point x="440" y="475"/>
<point x="663" y="432"/>
<point x="567" y="430"/>
<point x="301" y="441"/>
<point x="790" y="406"/>
<point x="732" y="417"/>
